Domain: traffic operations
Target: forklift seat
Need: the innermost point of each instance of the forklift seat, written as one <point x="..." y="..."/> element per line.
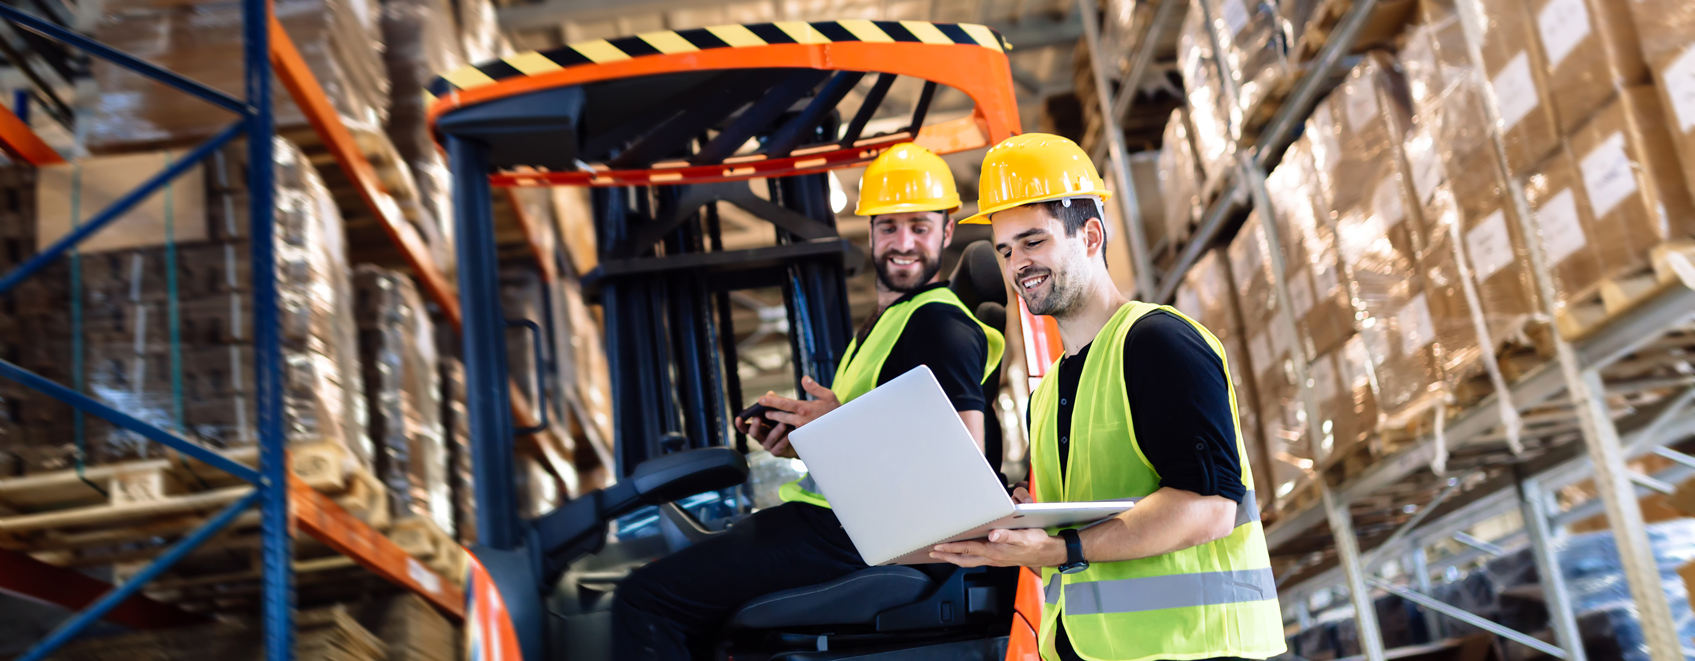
<point x="853" y="599"/>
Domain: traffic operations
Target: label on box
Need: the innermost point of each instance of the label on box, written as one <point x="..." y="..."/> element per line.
<point x="1386" y="202"/>
<point x="1515" y="89"/>
<point x="1417" y="329"/>
<point x="1360" y="102"/>
<point x="1490" y="245"/>
<point x="1235" y="16"/>
<point x="426" y="579"/>
<point x="1300" y="294"/>
<point x="1680" y="87"/>
<point x="1259" y="351"/>
<point x="1562" y="233"/>
<point x="1427" y="168"/>
<point x="1608" y="175"/>
<point x="1324" y="381"/>
<point x="1564" y="24"/>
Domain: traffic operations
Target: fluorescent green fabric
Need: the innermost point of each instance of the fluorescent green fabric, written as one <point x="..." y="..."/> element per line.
<point x="1216" y="599"/>
<point x="857" y="374"/>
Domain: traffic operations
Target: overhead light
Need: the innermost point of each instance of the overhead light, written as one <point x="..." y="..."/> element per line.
<point x="838" y="197"/>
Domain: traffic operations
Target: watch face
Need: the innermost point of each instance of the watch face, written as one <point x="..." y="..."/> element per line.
<point x="1073" y="568"/>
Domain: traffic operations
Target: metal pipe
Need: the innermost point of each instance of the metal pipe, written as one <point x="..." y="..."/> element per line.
<point x="1400" y="533"/>
<point x="1533" y="504"/>
<point x="95" y="48"/>
<point x="1129" y="209"/>
<point x="1468" y="618"/>
<point x="1478" y="544"/>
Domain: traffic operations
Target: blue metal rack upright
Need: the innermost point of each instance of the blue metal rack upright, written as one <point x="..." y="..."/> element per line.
<point x="271" y="481"/>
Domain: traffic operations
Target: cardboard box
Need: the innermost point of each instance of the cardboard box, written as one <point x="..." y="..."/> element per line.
<point x="1381" y="265"/>
<point x="1179" y="177"/>
<point x="1590" y="49"/>
<point x="1209" y="109"/>
<point x="1486" y="228"/>
<point x="1631" y="174"/>
<point x="1571" y="242"/>
<point x="1667" y="32"/>
<point x="1316" y="295"/>
<point x="1516" y="68"/>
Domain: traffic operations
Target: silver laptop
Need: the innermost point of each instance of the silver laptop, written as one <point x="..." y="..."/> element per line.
<point x="903" y="474"/>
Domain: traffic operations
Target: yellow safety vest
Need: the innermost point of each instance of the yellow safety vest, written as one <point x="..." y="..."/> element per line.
<point x="1216" y="599"/>
<point x="857" y="373"/>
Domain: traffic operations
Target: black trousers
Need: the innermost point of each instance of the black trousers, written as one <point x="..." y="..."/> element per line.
<point x="673" y="607"/>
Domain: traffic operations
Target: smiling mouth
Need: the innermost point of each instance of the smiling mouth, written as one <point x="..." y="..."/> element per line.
<point x="902" y="261"/>
<point x="1033" y="282"/>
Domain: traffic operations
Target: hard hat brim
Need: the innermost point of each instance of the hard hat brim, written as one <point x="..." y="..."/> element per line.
<point x="982" y="216"/>
<point x="905" y="207"/>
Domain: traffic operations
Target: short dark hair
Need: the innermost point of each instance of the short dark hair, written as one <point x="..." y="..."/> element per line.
<point x="1077" y="214"/>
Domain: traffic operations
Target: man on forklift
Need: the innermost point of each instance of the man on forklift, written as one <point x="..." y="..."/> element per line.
<point x="1185" y="573"/>
<point x="670" y="608"/>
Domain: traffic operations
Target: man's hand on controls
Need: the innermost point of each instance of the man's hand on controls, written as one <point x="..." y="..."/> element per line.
<point x="789" y="414"/>
<point x="1031" y="547"/>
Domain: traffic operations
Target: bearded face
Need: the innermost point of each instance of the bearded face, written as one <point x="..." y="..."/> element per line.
<point x="1050" y="270"/>
<point x="906" y="248"/>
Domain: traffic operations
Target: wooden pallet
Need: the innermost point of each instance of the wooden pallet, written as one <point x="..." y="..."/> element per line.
<point x="61" y="512"/>
<point x="1614" y="296"/>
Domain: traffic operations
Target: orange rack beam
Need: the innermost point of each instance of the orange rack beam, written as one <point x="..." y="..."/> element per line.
<point x="20" y="142"/>
<point x="335" y="527"/>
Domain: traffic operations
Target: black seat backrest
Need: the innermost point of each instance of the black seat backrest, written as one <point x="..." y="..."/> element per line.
<point x="978" y="283"/>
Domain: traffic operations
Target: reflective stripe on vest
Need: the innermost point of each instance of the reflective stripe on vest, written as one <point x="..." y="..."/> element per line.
<point x="1247" y="512"/>
<point x="1213" y="600"/>
<point x="858" y="372"/>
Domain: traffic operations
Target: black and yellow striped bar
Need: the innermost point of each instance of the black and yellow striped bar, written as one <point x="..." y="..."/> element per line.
<point x="670" y="42"/>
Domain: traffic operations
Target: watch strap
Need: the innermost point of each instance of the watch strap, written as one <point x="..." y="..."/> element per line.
<point x="1073" y="548"/>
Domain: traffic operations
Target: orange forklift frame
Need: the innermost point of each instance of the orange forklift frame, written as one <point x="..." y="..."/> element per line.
<point x="968" y="58"/>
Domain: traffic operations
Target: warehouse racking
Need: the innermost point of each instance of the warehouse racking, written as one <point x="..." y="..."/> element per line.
<point x="286" y="501"/>
<point x="1396" y="506"/>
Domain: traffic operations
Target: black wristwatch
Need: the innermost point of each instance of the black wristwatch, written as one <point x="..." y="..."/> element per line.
<point x="1074" y="561"/>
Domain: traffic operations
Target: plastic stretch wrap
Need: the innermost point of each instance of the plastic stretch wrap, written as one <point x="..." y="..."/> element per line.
<point x="402" y="391"/>
<point x="1282" y="418"/>
<point x="1316" y="289"/>
<point x="1208" y="297"/>
<point x="1378" y="229"/>
<point x="420" y="42"/>
<point x="128" y="354"/>
<point x="456" y="425"/>
<point x="1666" y="29"/>
<point x="1590" y="51"/>
<point x="1211" y="116"/>
<point x="1179" y="176"/>
<point x="203" y="42"/>
<point x="1603" y="203"/>
<point x="1516" y="69"/>
<point x="1256" y="39"/>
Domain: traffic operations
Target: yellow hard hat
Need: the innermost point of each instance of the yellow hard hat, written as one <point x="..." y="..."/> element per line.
<point x="905" y="179"/>
<point x="1034" y="167"/>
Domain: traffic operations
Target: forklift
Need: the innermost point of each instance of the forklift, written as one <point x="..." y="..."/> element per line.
<point x="666" y="127"/>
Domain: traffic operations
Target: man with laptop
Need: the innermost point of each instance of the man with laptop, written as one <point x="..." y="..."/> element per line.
<point x="667" y="609"/>
<point x="1139" y="408"/>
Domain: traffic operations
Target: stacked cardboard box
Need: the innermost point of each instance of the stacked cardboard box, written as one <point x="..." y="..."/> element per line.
<point x="1207" y="296"/>
<point x="398" y="357"/>
<point x="1281" y="415"/>
<point x="1667" y="32"/>
<point x="456" y="423"/>
<point x="1589" y="50"/>
<point x="324" y="634"/>
<point x="1211" y="115"/>
<point x="1513" y="62"/>
<point x="166" y="331"/>
<point x="1255" y="39"/>
<point x="1179" y="173"/>
<point x="203" y="40"/>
